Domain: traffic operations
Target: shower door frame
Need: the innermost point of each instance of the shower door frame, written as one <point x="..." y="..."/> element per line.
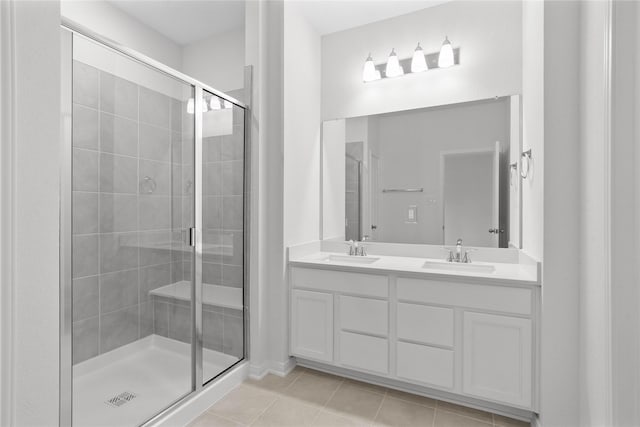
<point x="69" y="29"/>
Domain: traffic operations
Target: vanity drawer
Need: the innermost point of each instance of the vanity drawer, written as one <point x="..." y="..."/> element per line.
<point x="425" y="324"/>
<point x="428" y="365"/>
<point x="370" y="316"/>
<point x="364" y="352"/>
<point x="484" y="297"/>
<point x="340" y="281"/>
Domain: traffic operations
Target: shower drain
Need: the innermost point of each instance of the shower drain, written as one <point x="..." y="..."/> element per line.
<point x="121" y="399"/>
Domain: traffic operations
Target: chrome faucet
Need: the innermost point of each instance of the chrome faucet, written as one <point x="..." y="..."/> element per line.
<point x="460" y="255"/>
<point x="356" y="249"/>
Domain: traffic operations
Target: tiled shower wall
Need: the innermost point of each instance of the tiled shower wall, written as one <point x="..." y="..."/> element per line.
<point x="127" y="164"/>
<point x="133" y="195"/>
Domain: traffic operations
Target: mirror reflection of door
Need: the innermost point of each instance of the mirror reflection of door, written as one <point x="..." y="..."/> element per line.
<point x="470" y="195"/>
<point x="353" y="191"/>
<point x="374" y="176"/>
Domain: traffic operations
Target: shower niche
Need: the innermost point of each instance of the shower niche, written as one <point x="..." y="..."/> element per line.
<point x="153" y="235"/>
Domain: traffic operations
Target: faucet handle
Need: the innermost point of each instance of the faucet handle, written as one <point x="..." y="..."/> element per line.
<point x="467" y="257"/>
<point x="450" y="256"/>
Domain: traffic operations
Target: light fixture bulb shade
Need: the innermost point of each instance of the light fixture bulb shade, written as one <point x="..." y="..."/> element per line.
<point x="227" y="104"/>
<point x="445" y="58"/>
<point x="191" y="106"/>
<point x="214" y="103"/>
<point x="418" y="62"/>
<point x="369" y="70"/>
<point x="394" y="68"/>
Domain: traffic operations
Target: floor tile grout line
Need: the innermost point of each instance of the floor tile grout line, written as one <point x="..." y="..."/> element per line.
<point x="277" y="397"/>
<point x="324" y="407"/>
<point x="435" y="413"/>
<point x="384" y="397"/>
<point x="469" y="416"/>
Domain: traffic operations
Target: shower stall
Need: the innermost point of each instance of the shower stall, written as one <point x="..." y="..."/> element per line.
<point x="153" y="234"/>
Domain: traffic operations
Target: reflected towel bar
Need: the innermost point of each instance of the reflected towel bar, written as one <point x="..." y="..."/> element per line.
<point x="403" y="190"/>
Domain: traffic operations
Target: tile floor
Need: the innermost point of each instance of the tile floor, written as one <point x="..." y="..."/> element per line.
<point x="311" y="398"/>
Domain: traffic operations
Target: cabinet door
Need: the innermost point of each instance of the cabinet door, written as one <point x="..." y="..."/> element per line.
<point x="312" y="325"/>
<point x="497" y="358"/>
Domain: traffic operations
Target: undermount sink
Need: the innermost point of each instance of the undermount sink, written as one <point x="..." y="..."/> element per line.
<point x="458" y="266"/>
<point x="351" y="259"/>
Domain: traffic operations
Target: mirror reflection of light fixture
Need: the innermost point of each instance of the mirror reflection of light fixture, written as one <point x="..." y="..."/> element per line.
<point x="445" y="59"/>
<point x="418" y="62"/>
<point x="394" y="69"/>
<point x="369" y="72"/>
<point x="227" y="104"/>
<point x="191" y="106"/>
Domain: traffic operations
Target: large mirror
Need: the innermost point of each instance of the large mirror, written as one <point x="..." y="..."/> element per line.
<point x="427" y="176"/>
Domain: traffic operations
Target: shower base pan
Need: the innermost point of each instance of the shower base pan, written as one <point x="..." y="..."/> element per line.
<point x="129" y="385"/>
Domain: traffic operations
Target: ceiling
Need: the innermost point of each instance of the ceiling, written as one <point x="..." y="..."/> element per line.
<point x="330" y="16"/>
<point x="185" y="21"/>
<point x="188" y="21"/>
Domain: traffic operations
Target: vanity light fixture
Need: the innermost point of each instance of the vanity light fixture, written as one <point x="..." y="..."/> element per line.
<point x="191" y="106"/>
<point x="418" y="62"/>
<point x="394" y="69"/>
<point x="369" y="71"/>
<point x="445" y="59"/>
<point x="214" y="103"/>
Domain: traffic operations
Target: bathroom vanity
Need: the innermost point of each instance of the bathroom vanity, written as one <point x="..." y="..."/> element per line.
<point x="466" y="333"/>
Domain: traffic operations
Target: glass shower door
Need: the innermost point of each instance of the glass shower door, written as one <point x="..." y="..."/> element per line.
<point x="133" y="201"/>
<point x="222" y="235"/>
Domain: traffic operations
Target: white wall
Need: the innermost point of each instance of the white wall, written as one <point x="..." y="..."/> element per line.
<point x="31" y="212"/>
<point x="533" y="125"/>
<point x="301" y="128"/>
<point x="561" y="236"/>
<point x="217" y="61"/>
<point x="333" y="179"/>
<point x="111" y="22"/>
<point x="487" y="32"/>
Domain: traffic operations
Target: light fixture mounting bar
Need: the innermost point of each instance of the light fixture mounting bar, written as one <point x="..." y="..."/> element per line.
<point x="432" y="63"/>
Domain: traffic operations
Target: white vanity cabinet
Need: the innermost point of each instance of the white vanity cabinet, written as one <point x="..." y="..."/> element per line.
<point x="497" y="357"/>
<point x="474" y="339"/>
<point x="312" y="324"/>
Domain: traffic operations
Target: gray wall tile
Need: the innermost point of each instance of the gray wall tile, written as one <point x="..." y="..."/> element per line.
<point x="161" y="318"/>
<point x="85" y="84"/>
<point x="85" y="127"/>
<point x="118" y="212"/>
<point x="212" y="148"/>
<point x="233" y="338"/>
<point x="180" y="323"/>
<point x="146" y="319"/>
<point x="118" y="290"/>
<point x="118" y="251"/>
<point x="85" y="298"/>
<point x="212" y="324"/>
<point x="213" y="176"/>
<point x="155" y="247"/>
<point x="232" y="276"/>
<point x="212" y="215"/>
<point x="232" y="218"/>
<point x="118" y="328"/>
<point x="232" y="178"/>
<point x="85" y="255"/>
<point x="85" y="170"/>
<point x="176" y="147"/>
<point x="212" y="273"/>
<point x="118" y="96"/>
<point x="118" y="135"/>
<point x="214" y="248"/>
<point x="155" y="212"/>
<point x="155" y="143"/>
<point x="234" y="241"/>
<point x="155" y="108"/>
<point x="176" y="114"/>
<point x="233" y="145"/>
<point x="118" y="174"/>
<point x="153" y="277"/>
<point x="158" y="173"/>
<point x="85" y="339"/>
<point x="85" y="213"/>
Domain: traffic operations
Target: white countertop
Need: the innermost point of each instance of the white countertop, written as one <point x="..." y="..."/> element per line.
<point x="507" y="273"/>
